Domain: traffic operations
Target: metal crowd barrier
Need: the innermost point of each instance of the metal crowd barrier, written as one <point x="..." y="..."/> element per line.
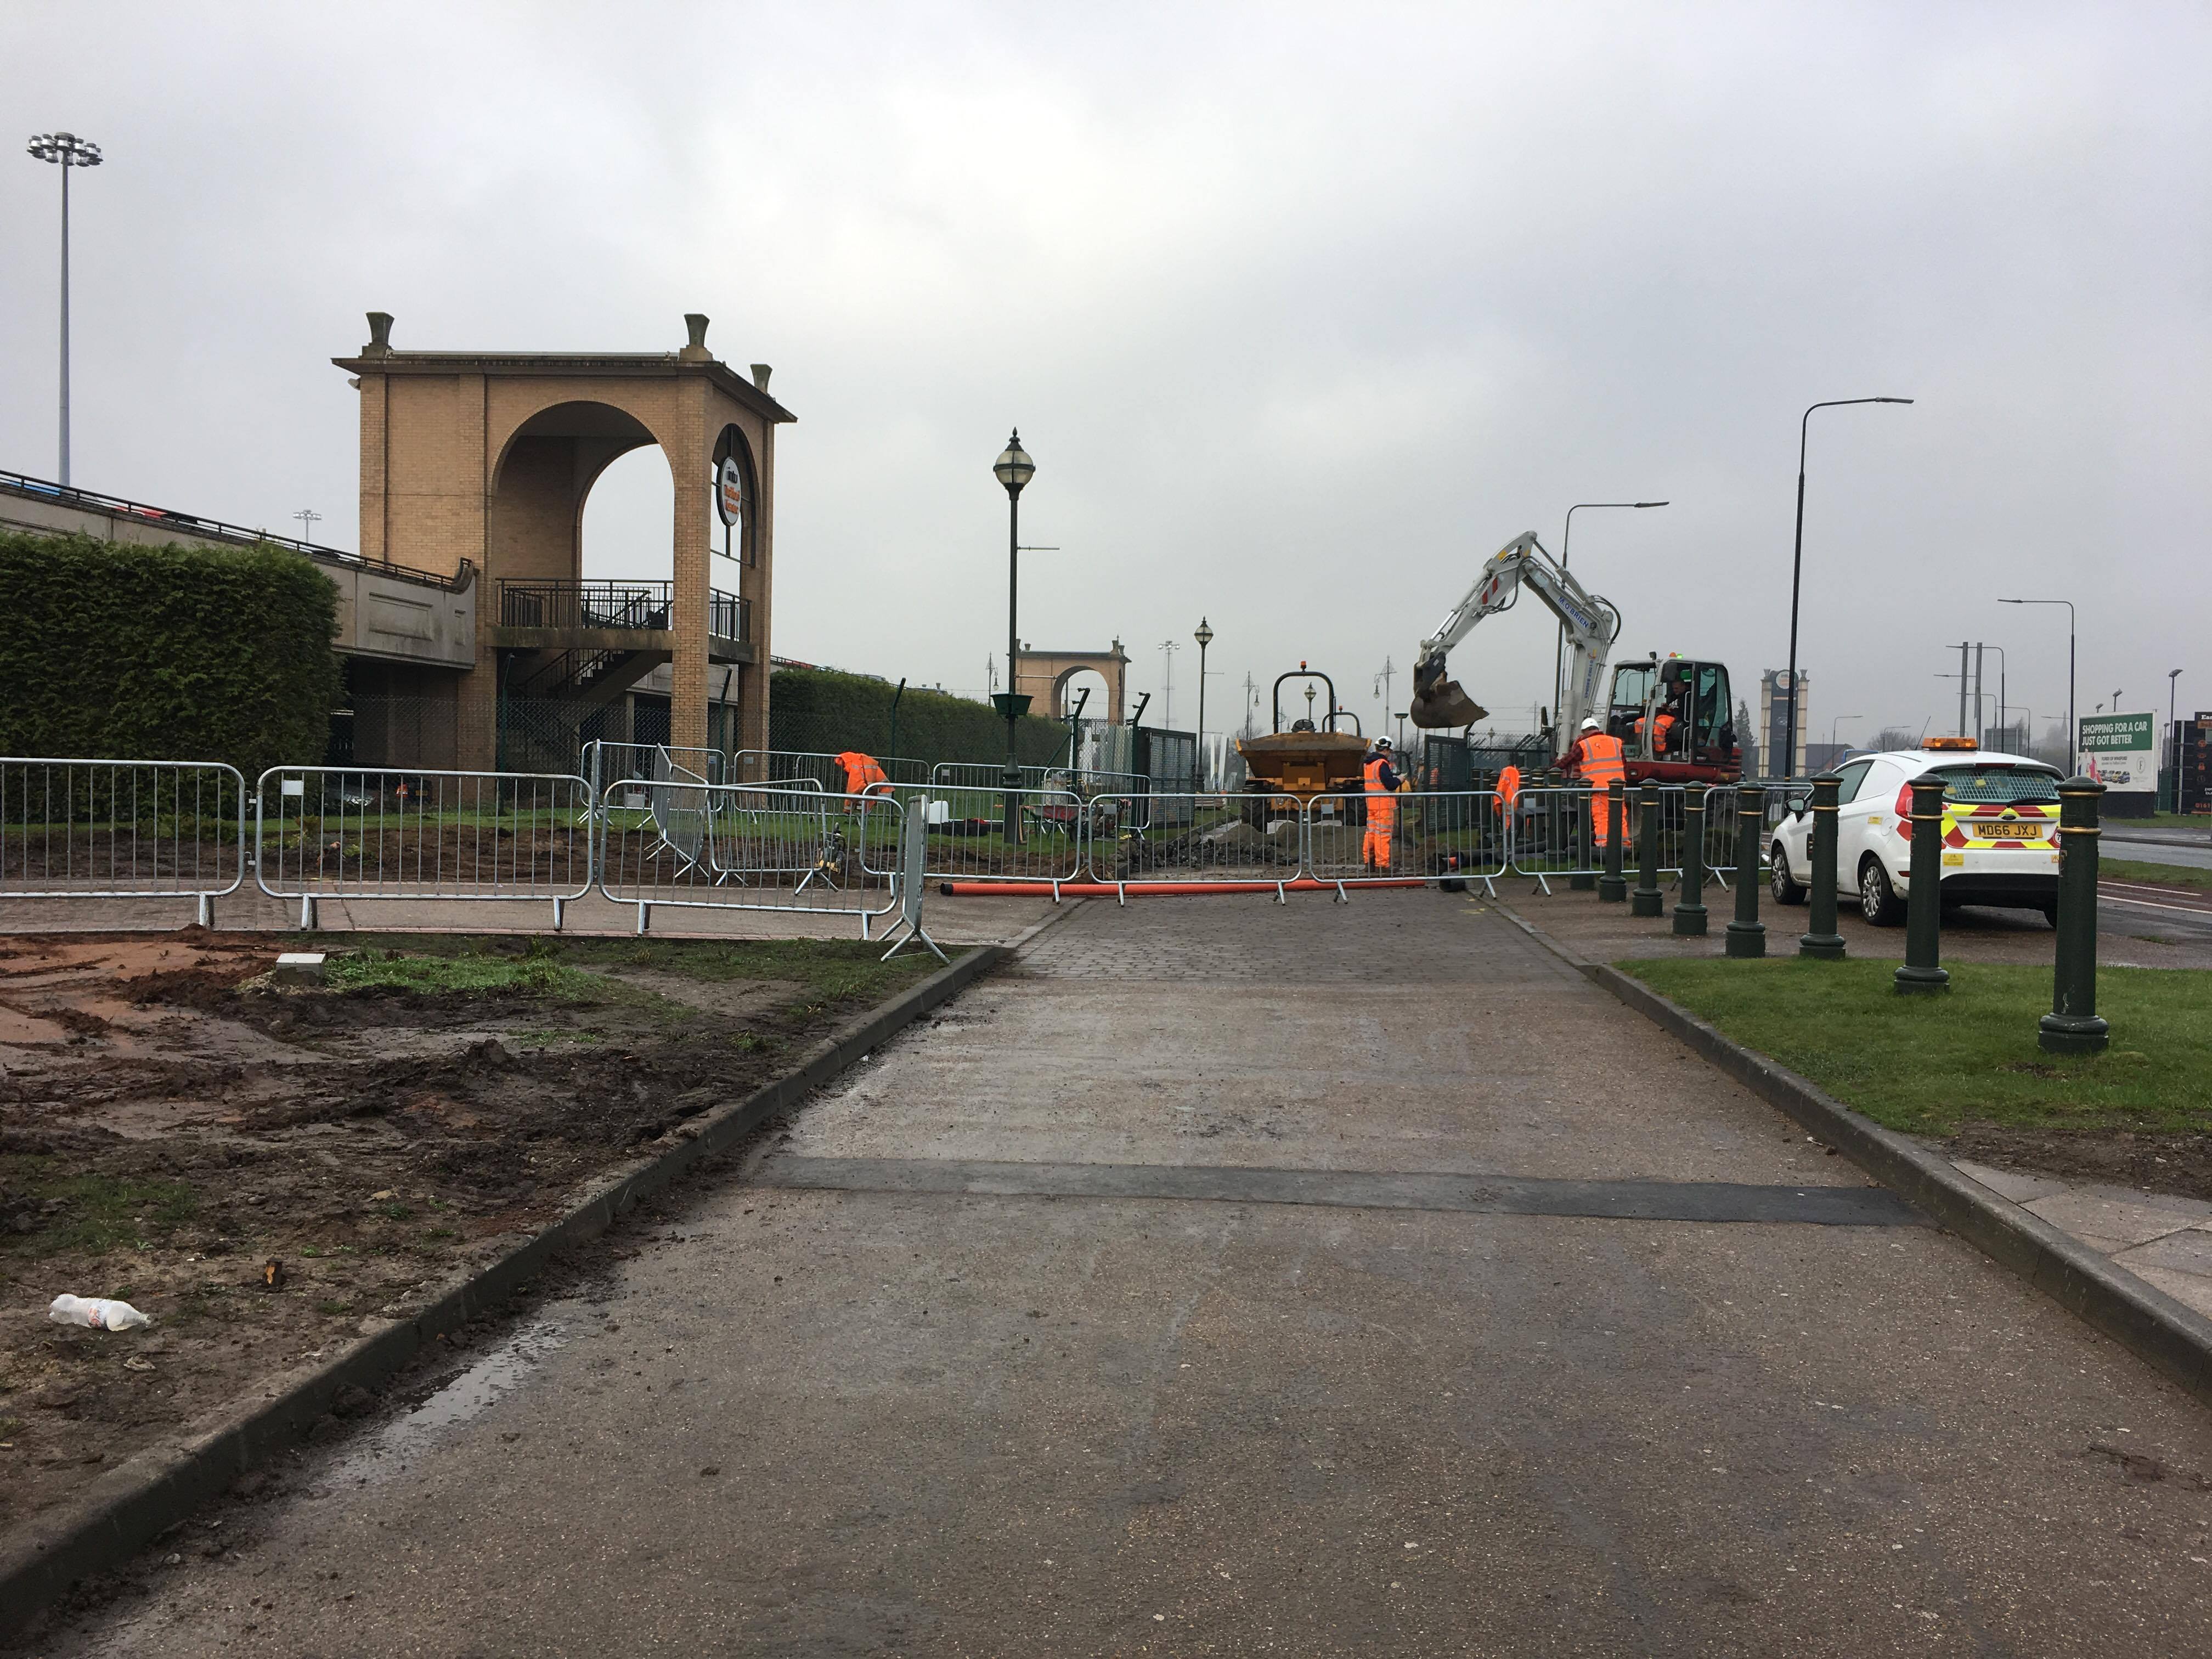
<point x="742" y="846"/>
<point x="107" y="829"/>
<point x="606" y="761"/>
<point x="389" y="833"/>
<point x="783" y="767"/>
<point x="1440" y="836"/>
<point x="965" y="838"/>
<point x="1188" y="836"/>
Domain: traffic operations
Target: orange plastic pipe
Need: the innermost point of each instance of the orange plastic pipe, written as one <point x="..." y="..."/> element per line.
<point x="1154" y="888"/>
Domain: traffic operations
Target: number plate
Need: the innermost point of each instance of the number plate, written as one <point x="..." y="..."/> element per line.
<point x="2010" y="831"/>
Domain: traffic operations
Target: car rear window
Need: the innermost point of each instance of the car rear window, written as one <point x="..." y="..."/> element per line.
<point x="1998" y="786"/>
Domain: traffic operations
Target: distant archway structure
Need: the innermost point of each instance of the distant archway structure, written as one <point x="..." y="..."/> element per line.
<point x="485" y="458"/>
<point x="1044" y="675"/>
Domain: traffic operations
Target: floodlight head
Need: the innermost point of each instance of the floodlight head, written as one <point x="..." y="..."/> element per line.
<point x="66" y="148"/>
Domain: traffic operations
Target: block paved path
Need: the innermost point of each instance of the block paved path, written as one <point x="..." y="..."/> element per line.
<point x="1227" y="1278"/>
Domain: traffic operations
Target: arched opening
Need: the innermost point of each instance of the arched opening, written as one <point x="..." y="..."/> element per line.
<point x="624" y="534"/>
<point x="1068" y="691"/>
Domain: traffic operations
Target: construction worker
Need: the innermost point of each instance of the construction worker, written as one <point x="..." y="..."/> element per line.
<point x="1601" y="760"/>
<point x="863" y="777"/>
<point x="1381" y="806"/>
<point x="1662" y="724"/>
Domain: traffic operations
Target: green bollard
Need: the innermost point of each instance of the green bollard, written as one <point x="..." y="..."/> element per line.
<point x="1585" y="851"/>
<point x="1690" y="914"/>
<point x="1613" y="886"/>
<point x="1822" y="940"/>
<point x="2072" y="1026"/>
<point x="1924" y="906"/>
<point x="1647" y="900"/>
<point x="1747" y="935"/>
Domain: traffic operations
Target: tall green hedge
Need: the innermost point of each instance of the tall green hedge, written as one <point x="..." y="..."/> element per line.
<point x="820" y="710"/>
<point x="170" y="652"/>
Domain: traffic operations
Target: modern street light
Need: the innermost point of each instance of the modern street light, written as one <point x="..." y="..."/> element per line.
<point x="1566" y="536"/>
<point x="1205" y="637"/>
<point x="2073" y="731"/>
<point x="1832" y="725"/>
<point x="70" y="151"/>
<point x="1797" y="574"/>
<point x="1014" y="469"/>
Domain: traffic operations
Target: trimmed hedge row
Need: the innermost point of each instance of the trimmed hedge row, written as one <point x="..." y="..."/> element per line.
<point x="118" y="651"/>
<point x="821" y="711"/>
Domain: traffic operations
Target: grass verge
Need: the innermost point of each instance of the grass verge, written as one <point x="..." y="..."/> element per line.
<point x="2162" y="875"/>
<point x="1925" y="1065"/>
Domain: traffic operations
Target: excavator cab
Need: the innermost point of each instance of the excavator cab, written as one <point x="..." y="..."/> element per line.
<point x="1675" y="715"/>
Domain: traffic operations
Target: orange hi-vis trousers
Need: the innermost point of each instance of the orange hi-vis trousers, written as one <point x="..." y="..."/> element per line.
<point x="1381" y="825"/>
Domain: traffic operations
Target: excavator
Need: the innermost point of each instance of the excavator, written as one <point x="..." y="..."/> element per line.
<point x="1675" y="716"/>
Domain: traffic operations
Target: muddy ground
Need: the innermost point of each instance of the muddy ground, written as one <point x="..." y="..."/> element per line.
<point x="270" y="1171"/>
<point x="2179" y="1164"/>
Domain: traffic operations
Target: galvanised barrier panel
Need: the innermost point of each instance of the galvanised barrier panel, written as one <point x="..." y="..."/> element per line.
<point x="1427" y="836"/>
<point x="109" y="829"/>
<point x="740" y="847"/>
<point x="1553" y="833"/>
<point x="401" y="833"/>
<point x="607" y="762"/>
<point x="1194" y="837"/>
<point x="785" y="767"/>
<point x="967" y="841"/>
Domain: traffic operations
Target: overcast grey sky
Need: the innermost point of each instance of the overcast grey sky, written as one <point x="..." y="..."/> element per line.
<point x="1303" y="312"/>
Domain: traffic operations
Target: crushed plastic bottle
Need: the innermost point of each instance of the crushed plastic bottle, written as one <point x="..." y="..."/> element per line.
<point x="97" y="1313"/>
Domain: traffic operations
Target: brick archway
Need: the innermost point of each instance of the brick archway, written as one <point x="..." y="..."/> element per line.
<point x="485" y="459"/>
<point x="1044" y="675"/>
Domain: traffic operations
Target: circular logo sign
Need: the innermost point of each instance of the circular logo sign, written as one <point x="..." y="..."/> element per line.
<point x="729" y="490"/>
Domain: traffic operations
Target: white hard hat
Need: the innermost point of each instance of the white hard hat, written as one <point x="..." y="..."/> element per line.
<point x="1591" y="724"/>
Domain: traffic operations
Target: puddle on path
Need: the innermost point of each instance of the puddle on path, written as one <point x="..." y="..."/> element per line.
<point x="389" y="1449"/>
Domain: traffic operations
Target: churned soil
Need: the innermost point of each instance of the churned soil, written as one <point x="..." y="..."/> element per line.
<point x="271" y="1171"/>
<point x="2180" y="1165"/>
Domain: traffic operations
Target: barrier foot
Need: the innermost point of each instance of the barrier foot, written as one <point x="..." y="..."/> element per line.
<point x="1281" y="897"/>
<point x="1121" y="894"/>
<point x="309" y="920"/>
<point x="560" y="912"/>
<point x="203" y="912"/>
<point x="644" y="917"/>
<point x="864" y="925"/>
<point x="916" y="936"/>
<point x="1342" y="897"/>
<point x="1489" y="887"/>
<point x="1546" y="885"/>
<point x="1055" y="892"/>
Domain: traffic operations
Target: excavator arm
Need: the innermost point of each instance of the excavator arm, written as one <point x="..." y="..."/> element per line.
<point x="1590" y="621"/>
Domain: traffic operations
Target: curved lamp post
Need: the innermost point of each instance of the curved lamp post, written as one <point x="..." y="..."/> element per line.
<point x="1797" y="572"/>
<point x="1560" y="651"/>
<point x="1014" y="469"/>
<point x="2073" y="731"/>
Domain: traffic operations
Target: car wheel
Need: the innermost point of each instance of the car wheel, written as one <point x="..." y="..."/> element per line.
<point x="2050" y="908"/>
<point x="1878" y="900"/>
<point x="1786" y="889"/>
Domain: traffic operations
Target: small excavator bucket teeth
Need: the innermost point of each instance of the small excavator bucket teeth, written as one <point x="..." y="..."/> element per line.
<point x="1445" y="704"/>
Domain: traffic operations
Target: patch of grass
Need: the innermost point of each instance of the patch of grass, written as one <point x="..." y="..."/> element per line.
<point x="1925" y="1064"/>
<point x="98" y="1213"/>
<point x="334" y="1309"/>
<point x="832" y="970"/>
<point x="2163" y="875"/>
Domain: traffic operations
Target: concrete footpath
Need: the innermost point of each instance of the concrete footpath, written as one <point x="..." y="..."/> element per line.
<point x="1228" y="1278"/>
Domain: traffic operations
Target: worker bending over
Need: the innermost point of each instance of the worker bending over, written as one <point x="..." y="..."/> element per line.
<point x="863" y="774"/>
<point x="1598" y="757"/>
<point x="1381" y="806"/>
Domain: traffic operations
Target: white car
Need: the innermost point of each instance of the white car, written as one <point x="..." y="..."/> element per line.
<point x="2000" y="831"/>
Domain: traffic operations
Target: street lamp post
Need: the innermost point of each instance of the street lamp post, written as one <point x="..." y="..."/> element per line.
<point x="1567" y="536"/>
<point x="1014" y="469"/>
<point x="1832" y="725"/>
<point x="70" y="151"/>
<point x="1797" y="574"/>
<point x="2073" y="731"/>
<point x="1205" y="637"/>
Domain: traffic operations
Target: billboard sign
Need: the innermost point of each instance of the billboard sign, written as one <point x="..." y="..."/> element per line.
<point x="2121" y="752"/>
<point x="729" y="490"/>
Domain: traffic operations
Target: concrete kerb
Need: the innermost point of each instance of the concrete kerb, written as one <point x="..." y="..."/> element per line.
<point x="2140" y="1317"/>
<point x="128" y="1506"/>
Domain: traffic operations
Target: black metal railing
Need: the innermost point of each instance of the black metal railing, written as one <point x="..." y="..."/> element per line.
<point x="43" y="489"/>
<point x="616" y="606"/>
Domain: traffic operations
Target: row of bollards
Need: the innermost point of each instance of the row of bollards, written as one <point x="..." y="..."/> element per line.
<point x="2073" y="1025"/>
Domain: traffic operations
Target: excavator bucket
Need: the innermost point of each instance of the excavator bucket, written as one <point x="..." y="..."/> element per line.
<point x="1439" y="702"/>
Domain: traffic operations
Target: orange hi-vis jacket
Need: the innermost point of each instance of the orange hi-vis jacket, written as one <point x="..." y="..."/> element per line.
<point x="1660" y="728"/>
<point x="1602" y="761"/>
<point x="1509" y="789"/>
<point x="1382" y="803"/>
<point x="862" y="775"/>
